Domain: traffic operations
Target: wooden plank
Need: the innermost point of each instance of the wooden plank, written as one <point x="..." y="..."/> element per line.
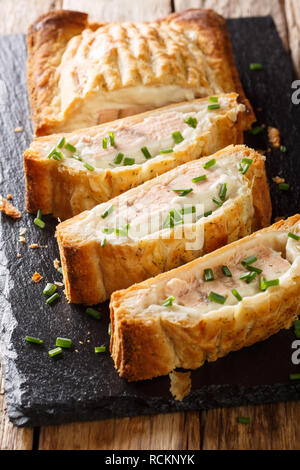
<point x="17" y="15"/>
<point x="293" y="21"/>
<point x="126" y="10"/>
<point x="241" y="8"/>
<point x="275" y="426"/>
<point x="12" y="438"/>
<point x="161" y="432"/>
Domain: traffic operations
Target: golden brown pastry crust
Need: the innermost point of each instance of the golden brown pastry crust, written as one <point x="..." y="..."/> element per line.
<point x="206" y="64"/>
<point x="65" y="192"/>
<point x="92" y="273"/>
<point x="142" y="350"/>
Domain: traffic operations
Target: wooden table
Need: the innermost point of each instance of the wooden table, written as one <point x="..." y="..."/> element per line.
<point x="275" y="426"/>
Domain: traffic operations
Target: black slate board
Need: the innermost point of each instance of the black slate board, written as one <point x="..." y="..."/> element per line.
<point x="83" y="385"/>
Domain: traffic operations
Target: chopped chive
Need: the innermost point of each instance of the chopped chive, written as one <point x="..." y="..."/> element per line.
<point x="77" y="157"/>
<point x="192" y="122"/>
<point x="88" y="166"/>
<point x="70" y="147"/>
<point x="168" y="302"/>
<point x="52" y="151"/>
<point x="123" y="232"/>
<point x="283" y="148"/>
<point x="188" y="210"/>
<point x="109" y="329"/>
<point x="54" y="352"/>
<point x="223" y="192"/>
<point x="39" y="214"/>
<point x="294" y="376"/>
<point x="103" y="243"/>
<point x="60" y="270"/>
<point x="274" y="282"/>
<point x="104" y="142"/>
<point x="237" y="295"/>
<point x="207" y="214"/>
<point x="245" y="169"/>
<point x="297" y="333"/>
<point x="293" y="236"/>
<point x="146" y="153"/>
<point x="58" y="156"/>
<point x="284" y="187"/>
<point x="112" y="139"/>
<point x="32" y="339"/>
<point x="243" y="420"/>
<point x="107" y="212"/>
<point x="162" y="152"/>
<point x="199" y="178"/>
<point x="214" y="99"/>
<point x="208" y="275"/>
<point x="108" y="230"/>
<point x="177" y="137"/>
<point x="217" y="298"/>
<point x="49" y="289"/>
<point x="248" y="277"/>
<point x="128" y="161"/>
<point x="255" y="130"/>
<point x="264" y="284"/>
<point x="61" y="143"/>
<point x="100" y="349"/>
<point x="182" y="192"/>
<point x="254" y="269"/>
<point x="118" y="158"/>
<point x="247" y="161"/>
<point x="216" y="201"/>
<point x="249" y="260"/>
<point x="256" y="67"/>
<point x="212" y="107"/>
<point x="93" y="313"/>
<point x="52" y="299"/>
<point x="209" y="164"/>
<point x="63" y="342"/>
<point x="297" y="324"/>
<point x="226" y="271"/>
<point x="39" y="223"/>
<point x="172" y="217"/>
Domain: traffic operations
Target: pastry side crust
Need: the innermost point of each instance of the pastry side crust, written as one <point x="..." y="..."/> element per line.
<point x="143" y="350"/>
<point x="121" y="265"/>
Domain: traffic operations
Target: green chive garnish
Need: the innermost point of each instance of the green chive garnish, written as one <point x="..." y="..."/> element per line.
<point x="52" y="151"/>
<point x="199" y="178"/>
<point x="223" y="192"/>
<point x="39" y="223"/>
<point x="212" y="107"/>
<point x="283" y="148"/>
<point x="70" y="147"/>
<point x="128" y="161"/>
<point x="237" y="295"/>
<point x="264" y="284"/>
<point x="192" y="122"/>
<point x="49" y="289"/>
<point x="100" y="349"/>
<point x="297" y="324"/>
<point x="254" y="269"/>
<point x="93" y="313"/>
<point x="188" y="210"/>
<point x="63" y="343"/>
<point x="107" y="212"/>
<point x="77" y="157"/>
<point x="171" y="219"/>
<point x="247" y="161"/>
<point x="213" y="99"/>
<point x="256" y="67"/>
<point x="104" y="142"/>
<point x="284" y="186"/>
<point x="118" y="158"/>
<point x="294" y="376"/>
<point x="166" y="151"/>
<point x="168" y="302"/>
<point x="245" y="169"/>
<point x="216" y="201"/>
<point x="209" y="164"/>
<point x="226" y="271"/>
<point x="146" y="153"/>
<point x="58" y="156"/>
<point x="52" y="299"/>
<point x="255" y="130"/>
<point x="88" y="166"/>
<point x="109" y="329"/>
<point x="112" y="139"/>
<point x="103" y="243"/>
<point x="32" y="339"/>
<point x="293" y="236"/>
<point x="243" y="420"/>
<point x="60" y="270"/>
<point x="208" y="275"/>
<point x="61" y="143"/>
<point x="248" y="277"/>
<point x="207" y="214"/>
<point x="55" y="352"/>
<point x="182" y="192"/>
<point x="39" y="214"/>
<point x="217" y="298"/>
<point x="249" y="260"/>
<point x="109" y="231"/>
<point x="177" y="137"/>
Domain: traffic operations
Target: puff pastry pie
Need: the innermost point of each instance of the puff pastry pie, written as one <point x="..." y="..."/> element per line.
<point x="164" y="223"/>
<point x="68" y="173"/>
<point x="229" y="299"/>
<point x="82" y="74"/>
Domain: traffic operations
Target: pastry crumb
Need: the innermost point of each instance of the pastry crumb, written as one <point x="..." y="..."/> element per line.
<point x="278" y="180"/>
<point x="76" y="350"/>
<point x="22" y="239"/>
<point x="9" y="197"/>
<point x="180" y="384"/>
<point x="19" y="255"/>
<point x="37" y="277"/>
<point x="56" y="263"/>
<point x="33" y="246"/>
<point x="58" y="284"/>
<point x="19" y="129"/>
<point x="274" y="137"/>
<point x="8" y="209"/>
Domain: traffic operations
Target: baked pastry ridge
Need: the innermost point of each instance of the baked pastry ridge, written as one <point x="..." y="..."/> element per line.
<point x="177" y="319"/>
<point x="109" y="159"/>
<point x="168" y="221"/>
<point x="81" y="74"/>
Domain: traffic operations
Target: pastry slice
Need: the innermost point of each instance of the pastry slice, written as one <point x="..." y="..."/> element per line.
<point x="81" y="74"/>
<point x="222" y="302"/>
<point x="68" y="173"/>
<point x="164" y="223"/>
